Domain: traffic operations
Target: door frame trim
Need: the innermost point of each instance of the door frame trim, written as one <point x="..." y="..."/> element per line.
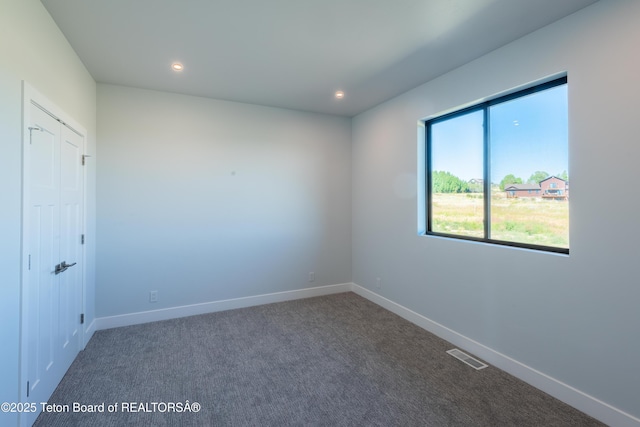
<point x="31" y="96"/>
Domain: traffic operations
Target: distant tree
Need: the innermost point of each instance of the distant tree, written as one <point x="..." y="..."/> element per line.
<point x="445" y="182"/>
<point x="537" y="176"/>
<point x="564" y="175"/>
<point x="508" y="180"/>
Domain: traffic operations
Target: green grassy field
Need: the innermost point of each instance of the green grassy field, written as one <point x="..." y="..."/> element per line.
<point x="532" y="221"/>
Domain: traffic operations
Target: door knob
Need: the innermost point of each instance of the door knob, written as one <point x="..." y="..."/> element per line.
<point x="63" y="267"/>
<point x="59" y="269"/>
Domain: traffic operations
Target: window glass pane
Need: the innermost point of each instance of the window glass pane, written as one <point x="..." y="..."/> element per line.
<point x="529" y="169"/>
<point x="457" y="154"/>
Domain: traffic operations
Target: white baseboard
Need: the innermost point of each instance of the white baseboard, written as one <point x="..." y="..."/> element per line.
<point x="561" y="391"/>
<point x="88" y="332"/>
<point x="214" y="306"/>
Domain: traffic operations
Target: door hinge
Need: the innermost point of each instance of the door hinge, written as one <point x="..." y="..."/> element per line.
<point x="29" y="261"/>
<point x="27" y="388"/>
<point x="82" y="239"/>
<point x="31" y="129"/>
<point x="84" y="156"/>
<point x="82" y="319"/>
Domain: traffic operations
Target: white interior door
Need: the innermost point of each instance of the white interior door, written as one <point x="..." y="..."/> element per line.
<point x="52" y="294"/>
<point x="44" y="252"/>
<point x="71" y="231"/>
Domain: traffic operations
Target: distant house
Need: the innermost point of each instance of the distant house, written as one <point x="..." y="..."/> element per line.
<point x="522" y="190"/>
<point x="476" y="185"/>
<point x="549" y="188"/>
<point x="554" y="188"/>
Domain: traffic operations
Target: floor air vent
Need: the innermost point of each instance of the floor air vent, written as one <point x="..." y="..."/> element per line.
<point x="460" y="355"/>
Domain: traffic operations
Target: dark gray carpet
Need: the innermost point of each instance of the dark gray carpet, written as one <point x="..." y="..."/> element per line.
<point x="336" y="360"/>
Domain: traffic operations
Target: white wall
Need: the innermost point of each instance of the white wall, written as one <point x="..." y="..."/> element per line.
<point x="32" y="48"/>
<point x="206" y="200"/>
<point x="576" y="318"/>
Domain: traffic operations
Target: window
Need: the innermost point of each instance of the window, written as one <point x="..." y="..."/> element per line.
<point x="487" y="164"/>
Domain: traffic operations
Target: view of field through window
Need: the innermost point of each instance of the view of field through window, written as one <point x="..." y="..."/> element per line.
<point x="524" y="152"/>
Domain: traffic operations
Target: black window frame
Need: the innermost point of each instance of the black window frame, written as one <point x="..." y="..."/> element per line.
<point x="483" y="106"/>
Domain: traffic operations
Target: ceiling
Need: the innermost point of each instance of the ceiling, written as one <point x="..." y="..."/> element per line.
<point x="293" y="53"/>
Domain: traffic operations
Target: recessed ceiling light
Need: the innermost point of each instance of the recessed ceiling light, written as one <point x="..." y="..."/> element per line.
<point x="176" y="66"/>
<point x="339" y="94"/>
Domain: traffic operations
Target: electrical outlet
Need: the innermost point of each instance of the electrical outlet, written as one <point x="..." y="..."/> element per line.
<point x="378" y="283"/>
<point x="153" y="296"/>
<point x="312" y="276"/>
